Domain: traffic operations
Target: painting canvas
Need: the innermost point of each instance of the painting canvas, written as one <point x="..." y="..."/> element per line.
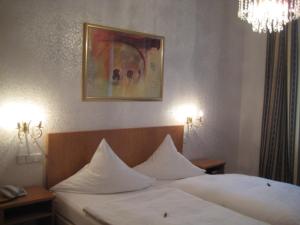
<point x="121" y="65"/>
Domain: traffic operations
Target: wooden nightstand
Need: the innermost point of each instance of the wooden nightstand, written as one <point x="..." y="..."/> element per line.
<point x="211" y="166"/>
<point x="36" y="206"/>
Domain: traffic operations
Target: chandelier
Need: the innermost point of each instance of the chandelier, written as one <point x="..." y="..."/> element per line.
<point x="268" y="15"/>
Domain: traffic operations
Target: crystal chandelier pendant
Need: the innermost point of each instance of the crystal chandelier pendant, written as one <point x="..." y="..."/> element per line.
<point x="268" y="15"/>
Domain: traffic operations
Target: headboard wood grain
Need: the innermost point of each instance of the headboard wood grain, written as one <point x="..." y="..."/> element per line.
<point x="69" y="152"/>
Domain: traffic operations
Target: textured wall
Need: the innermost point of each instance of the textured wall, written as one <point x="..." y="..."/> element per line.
<point x="41" y="55"/>
<point x="219" y="76"/>
<point x="252" y="97"/>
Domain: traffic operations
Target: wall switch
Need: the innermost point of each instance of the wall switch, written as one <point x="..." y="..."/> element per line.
<point x="37" y="157"/>
<point x="21" y="159"/>
<point x="29" y="158"/>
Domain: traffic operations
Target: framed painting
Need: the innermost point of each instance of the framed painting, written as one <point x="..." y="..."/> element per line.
<point x="121" y="65"/>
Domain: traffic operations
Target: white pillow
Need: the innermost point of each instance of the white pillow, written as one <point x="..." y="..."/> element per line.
<point x="166" y="163"/>
<point x="106" y="173"/>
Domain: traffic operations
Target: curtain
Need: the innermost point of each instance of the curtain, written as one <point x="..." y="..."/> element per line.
<point x="297" y="147"/>
<point x="277" y="153"/>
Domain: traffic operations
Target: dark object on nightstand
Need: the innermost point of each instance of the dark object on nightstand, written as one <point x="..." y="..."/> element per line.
<point x="36" y="206"/>
<point x="211" y="166"/>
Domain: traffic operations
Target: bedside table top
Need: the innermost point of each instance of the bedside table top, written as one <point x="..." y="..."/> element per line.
<point x="208" y="163"/>
<point x="34" y="194"/>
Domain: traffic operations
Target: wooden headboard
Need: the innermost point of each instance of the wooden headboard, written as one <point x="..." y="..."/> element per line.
<point x="69" y="152"/>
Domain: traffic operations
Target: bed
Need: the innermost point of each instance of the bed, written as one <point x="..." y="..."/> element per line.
<point x="69" y="152"/>
<point x="274" y="202"/>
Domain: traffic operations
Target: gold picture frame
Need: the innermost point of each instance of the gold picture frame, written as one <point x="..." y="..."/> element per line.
<point x="121" y="65"/>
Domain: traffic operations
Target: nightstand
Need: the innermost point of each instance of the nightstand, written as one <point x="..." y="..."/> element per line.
<point x="210" y="165"/>
<point x="36" y="206"/>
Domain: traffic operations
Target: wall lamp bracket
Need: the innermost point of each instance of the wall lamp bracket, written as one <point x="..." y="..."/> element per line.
<point x="25" y="130"/>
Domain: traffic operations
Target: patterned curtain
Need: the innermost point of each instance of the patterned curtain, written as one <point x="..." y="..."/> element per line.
<point x="297" y="147"/>
<point x="277" y="152"/>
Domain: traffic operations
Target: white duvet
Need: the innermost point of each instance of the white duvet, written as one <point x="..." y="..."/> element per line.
<point x="166" y="206"/>
<point x="274" y="202"/>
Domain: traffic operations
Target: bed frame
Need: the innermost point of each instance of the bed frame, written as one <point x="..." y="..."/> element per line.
<point x="69" y="152"/>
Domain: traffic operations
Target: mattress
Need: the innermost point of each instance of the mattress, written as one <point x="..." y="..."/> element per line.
<point x="69" y="206"/>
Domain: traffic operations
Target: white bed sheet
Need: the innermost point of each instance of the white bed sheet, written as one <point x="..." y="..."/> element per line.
<point x="274" y="202"/>
<point x="167" y="206"/>
<point x="70" y="205"/>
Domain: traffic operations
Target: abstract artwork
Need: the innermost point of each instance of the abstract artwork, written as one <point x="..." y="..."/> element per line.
<point x="121" y="65"/>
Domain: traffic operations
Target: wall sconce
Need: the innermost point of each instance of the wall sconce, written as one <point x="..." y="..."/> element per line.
<point x="190" y="121"/>
<point x="190" y="115"/>
<point x="24" y="130"/>
<point x="29" y="129"/>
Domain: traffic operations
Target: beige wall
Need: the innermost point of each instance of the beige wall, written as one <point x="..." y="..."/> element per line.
<point x="205" y="53"/>
<point x="252" y="96"/>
